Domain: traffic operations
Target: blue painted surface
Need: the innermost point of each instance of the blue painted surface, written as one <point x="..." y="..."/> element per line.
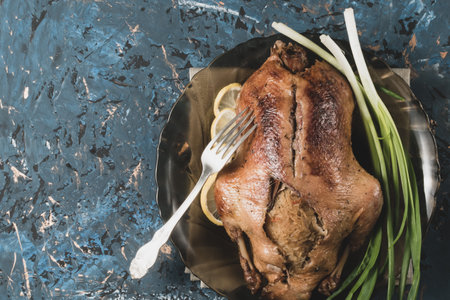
<point x="85" y="89"/>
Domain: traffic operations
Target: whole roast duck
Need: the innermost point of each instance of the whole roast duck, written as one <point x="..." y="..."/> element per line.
<point x="295" y="200"/>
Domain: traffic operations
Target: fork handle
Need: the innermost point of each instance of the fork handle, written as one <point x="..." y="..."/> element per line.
<point x="147" y="254"/>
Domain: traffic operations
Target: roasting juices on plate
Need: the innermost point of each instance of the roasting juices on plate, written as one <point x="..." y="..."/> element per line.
<point x="295" y="200"/>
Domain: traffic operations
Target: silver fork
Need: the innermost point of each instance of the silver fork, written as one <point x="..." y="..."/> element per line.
<point x="214" y="157"/>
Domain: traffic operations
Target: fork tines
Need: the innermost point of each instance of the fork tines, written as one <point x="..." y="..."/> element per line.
<point x="226" y="141"/>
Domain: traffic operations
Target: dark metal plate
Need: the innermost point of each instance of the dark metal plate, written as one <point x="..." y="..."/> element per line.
<point x="204" y="247"/>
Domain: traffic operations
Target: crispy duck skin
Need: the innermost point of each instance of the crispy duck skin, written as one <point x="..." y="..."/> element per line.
<point x="295" y="200"/>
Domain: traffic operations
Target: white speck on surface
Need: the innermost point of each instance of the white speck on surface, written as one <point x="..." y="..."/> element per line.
<point x="175" y="75"/>
<point x="14" y="264"/>
<point x="122" y="250"/>
<point x="17" y="174"/>
<point x="25" y="92"/>
<point x="78" y="155"/>
<point x="427" y="18"/>
<point x="9" y="108"/>
<point x="27" y="278"/>
<point x="18" y="235"/>
<point x="47" y="144"/>
<point x="111" y="111"/>
<point x="435" y="67"/>
<point x="190" y="3"/>
<point x="30" y="209"/>
<point x="136" y="173"/>
<point x="77" y="179"/>
<point x="77" y="246"/>
<point x="53" y="259"/>
<point x="119" y="47"/>
<point x="100" y="166"/>
<point x="25" y="270"/>
<point x="133" y="30"/>
<point x="53" y="201"/>
<point x="48" y="221"/>
<point x="86" y="86"/>
<point x="110" y="272"/>
<point x="419" y="5"/>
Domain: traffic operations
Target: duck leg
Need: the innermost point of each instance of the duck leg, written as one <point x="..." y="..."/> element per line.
<point x="329" y="284"/>
<point x="251" y="275"/>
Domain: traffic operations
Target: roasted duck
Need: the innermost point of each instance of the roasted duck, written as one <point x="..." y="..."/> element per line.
<point x="295" y="200"/>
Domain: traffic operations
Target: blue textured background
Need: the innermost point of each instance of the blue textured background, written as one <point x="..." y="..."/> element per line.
<point x="85" y="89"/>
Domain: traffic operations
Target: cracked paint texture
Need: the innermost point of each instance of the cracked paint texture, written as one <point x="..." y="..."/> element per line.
<point x="85" y="89"/>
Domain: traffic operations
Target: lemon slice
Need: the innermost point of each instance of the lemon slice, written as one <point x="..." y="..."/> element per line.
<point x="226" y="98"/>
<point x="225" y="116"/>
<point x="207" y="201"/>
<point x="224" y="112"/>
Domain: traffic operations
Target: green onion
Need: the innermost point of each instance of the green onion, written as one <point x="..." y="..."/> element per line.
<point x="391" y="93"/>
<point x="391" y="165"/>
<point x="400" y="161"/>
